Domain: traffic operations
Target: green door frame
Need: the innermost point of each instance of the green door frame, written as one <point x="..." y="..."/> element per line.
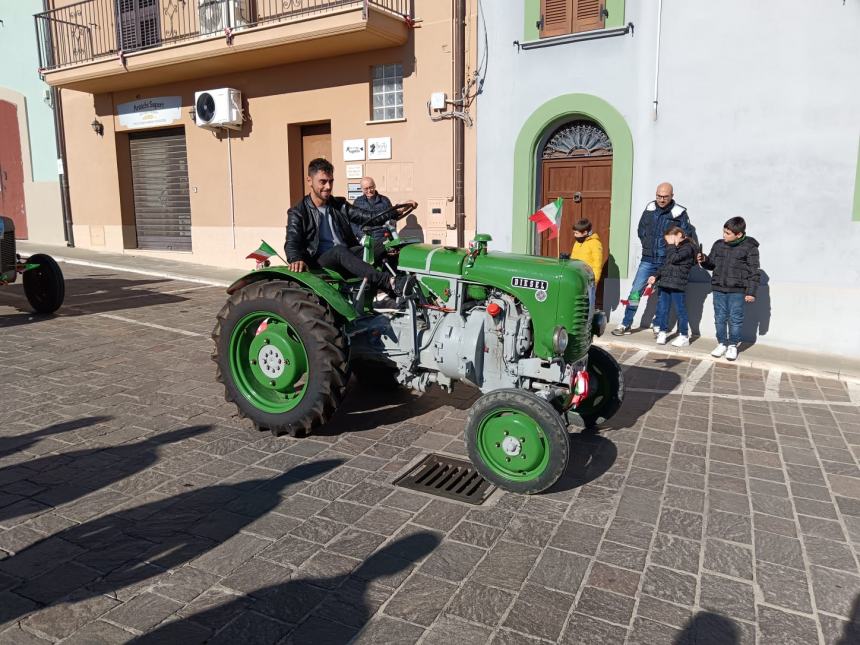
<point x="552" y="113"/>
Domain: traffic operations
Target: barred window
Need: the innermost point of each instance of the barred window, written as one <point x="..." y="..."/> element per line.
<point x="387" y="92"/>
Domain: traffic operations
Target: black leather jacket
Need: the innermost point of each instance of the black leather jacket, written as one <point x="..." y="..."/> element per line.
<point x="303" y="221"/>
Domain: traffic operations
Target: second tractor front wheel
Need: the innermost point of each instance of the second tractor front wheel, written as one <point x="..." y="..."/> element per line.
<point x="517" y="441"/>
<point x="44" y="286"/>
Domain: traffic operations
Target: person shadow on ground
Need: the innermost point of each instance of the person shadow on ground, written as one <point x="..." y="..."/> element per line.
<point x="72" y="475"/>
<point x="757" y="314"/>
<point x="131" y="546"/>
<point x="328" y="610"/>
<point x="21" y="442"/>
<point x="708" y="628"/>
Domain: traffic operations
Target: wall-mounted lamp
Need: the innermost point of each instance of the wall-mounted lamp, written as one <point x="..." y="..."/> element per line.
<point x="97" y="127"/>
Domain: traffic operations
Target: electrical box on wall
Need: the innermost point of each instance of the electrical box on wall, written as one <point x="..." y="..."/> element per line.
<point x="438" y="100"/>
<point x="220" y="108"/>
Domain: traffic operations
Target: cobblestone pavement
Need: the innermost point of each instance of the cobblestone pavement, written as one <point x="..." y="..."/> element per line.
<point x="722" y="505"/>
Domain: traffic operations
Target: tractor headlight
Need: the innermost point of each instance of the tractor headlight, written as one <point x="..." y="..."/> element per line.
<point x="559" y="340"/>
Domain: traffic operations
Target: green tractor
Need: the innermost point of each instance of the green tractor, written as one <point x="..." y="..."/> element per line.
<point x="517" y="327"/>
<point x="43" y="280"/>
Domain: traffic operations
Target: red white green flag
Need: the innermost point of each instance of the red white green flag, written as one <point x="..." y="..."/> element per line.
<point x="261" y="254"/>
<point x="548" y="218"/>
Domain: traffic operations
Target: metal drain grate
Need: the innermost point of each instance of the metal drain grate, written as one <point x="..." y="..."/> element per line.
<point x="447" y="477"/>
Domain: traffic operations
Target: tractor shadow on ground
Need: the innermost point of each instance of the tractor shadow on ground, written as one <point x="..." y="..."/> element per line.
<point x="17" y="443"/>
<point x="590" y="457"/>
<point x="91" y="294"/>
<point x="367" y="408"/>
<point x="339" y="606"/>
<point x="644" y="386"/>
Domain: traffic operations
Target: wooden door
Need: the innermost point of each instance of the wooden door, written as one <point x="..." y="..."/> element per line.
<point x="316" y="143"/>
<point x="586" y="186"/>
<point x="12" y="170"/>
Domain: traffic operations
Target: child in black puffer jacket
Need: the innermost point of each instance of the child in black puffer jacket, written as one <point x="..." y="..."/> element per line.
<point x="672" y="279"/>
<point x="734" y="262"/>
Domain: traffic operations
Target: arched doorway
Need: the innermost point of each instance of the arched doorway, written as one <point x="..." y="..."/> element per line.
<point x="575" y="163"/>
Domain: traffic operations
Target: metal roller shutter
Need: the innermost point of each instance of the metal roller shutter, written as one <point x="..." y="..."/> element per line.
<point x="162" y="209"/>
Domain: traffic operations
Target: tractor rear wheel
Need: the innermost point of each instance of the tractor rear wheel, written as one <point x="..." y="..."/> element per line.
<point x="517" y="441"/>
<point x="44" y="286"/>
<point x="606" y="382"/>
<point x="281" y="357"/>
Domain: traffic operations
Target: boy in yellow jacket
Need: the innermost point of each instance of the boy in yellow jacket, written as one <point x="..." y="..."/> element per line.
<point x="587" y="247"/>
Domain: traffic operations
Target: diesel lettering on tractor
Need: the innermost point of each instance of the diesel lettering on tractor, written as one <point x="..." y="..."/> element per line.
<point x="529" y="283"/>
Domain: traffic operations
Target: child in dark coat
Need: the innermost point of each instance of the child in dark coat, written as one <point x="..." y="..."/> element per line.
<point x="734" y="263"/>
<point x="672" y="277"/>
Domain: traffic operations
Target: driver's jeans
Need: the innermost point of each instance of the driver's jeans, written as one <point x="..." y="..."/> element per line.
<point x="347" y="260"/>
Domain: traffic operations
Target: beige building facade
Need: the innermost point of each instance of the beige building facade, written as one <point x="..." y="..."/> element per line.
<point x="145" y="177"/>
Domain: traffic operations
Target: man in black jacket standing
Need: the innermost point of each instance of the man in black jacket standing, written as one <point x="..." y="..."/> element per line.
<point x="657" y="218"/>
<point x="319" y="232"/>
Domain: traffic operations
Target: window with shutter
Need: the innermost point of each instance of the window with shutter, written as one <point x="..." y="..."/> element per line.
<point x="559" y="17"/>
<point x="556" y="17"/>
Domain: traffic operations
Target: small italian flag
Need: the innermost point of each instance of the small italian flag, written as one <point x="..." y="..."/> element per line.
<point x="261" y="254"/>
<point x="548" y="218"/>
<point x="636" y="296"/>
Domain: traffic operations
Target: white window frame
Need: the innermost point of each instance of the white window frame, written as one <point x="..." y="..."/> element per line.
<point x="386" y="92"/>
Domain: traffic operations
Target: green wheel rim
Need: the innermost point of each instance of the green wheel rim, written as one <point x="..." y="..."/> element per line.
<point x="269" y="362"/>
<point x="513" y="445"/>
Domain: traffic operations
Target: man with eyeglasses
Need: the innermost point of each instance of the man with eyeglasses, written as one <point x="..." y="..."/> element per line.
<point x="658" y="217"/>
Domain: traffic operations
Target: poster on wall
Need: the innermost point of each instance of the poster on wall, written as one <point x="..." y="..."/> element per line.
<point x="353" y="195"/>
<point x="353" y="149"/>
<point x="379" y="148"/>
<point x="354" y="171"/>
<point x="148" y="113"/>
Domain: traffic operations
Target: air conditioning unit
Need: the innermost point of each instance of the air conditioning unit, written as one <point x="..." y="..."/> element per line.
<point x="221" y="108"/>
<point x="217" y="15"/>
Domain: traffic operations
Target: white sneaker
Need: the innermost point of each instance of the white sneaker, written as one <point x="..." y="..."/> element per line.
<point x="656" y="330"/>
<point x="731" y="352"/>
<point x="719" y="350"/>
<point x="661" y="338"/>
<point x="681" y="341"/>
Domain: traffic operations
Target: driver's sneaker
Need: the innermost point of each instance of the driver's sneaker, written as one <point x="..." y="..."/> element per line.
<point x="661" y="338"/>
<point x="622" y="330"/>
<point x="719" y="351"/>
<point x="385" y="304"/>
<point x="655" y="329"/>
<point x="681" y="341"/>
<point x="731" y="352"/>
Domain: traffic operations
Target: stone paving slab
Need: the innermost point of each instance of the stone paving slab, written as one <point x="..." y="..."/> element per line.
<point x="721" y="505"/>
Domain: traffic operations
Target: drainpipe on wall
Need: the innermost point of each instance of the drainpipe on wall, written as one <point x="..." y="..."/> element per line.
<point x="60" y="138"/>
<point x="458" y="124"/>
<point x="59" y="132"/>
<point x="657" y="59"/>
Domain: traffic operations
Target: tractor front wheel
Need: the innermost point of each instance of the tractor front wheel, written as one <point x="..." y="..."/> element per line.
<point x="517" y="441"/>
<point x="281" y="357"/>
<point x="606" y="382"/>
<point x="44" y="286"/>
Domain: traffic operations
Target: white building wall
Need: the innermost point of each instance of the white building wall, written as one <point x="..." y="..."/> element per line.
<point x="759" y="116"/>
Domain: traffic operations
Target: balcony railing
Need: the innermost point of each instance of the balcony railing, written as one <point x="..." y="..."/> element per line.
<point x="92" y="29"/>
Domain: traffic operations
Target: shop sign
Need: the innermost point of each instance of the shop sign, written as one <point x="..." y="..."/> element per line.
<point x="379" y="148"/>
<point x="148" y="113"/>
<point x="353" y="149"/>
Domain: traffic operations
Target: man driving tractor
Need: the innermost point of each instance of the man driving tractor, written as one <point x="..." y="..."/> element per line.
<point x="319" y="233"/>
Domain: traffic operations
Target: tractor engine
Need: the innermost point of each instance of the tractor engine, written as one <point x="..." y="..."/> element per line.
<point x="483" y="346"/>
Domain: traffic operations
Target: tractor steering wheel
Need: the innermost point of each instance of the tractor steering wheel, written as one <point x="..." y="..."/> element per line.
<point x="401" y="210"/>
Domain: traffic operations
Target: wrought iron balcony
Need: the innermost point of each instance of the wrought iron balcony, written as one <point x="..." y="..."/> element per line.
<point x="91" y="30"/>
